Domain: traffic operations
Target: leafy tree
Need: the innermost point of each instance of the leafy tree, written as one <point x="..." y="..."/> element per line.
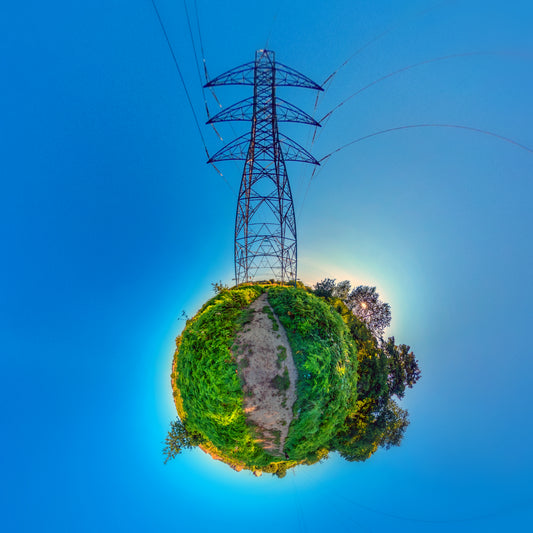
<point x="394" y="422"/>
<point x="384" y="371"/>
<point x="325" y="288"/>
<point x="402" y="366"/>
<point x="342" y="289"/>
<point x="282" y="470"/>
<point x="362" y="301"/>
<point x="178" y="438"/>
<point x="373" y="372"/>
<point x="365" y="304"/>
<point x="371" y="426"/>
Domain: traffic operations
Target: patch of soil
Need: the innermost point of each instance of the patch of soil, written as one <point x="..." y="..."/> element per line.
<point x="266" y="366"/>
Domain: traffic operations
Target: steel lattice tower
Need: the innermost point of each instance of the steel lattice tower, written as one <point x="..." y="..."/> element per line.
<point x="265" y="225"/>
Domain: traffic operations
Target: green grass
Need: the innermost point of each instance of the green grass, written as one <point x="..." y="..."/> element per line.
<point x="282" y="383"/>
<point x="326" y="359"/>
<point x="270" y="314"/>
<point x="208" y="388"/>
<point x="282" y="355"/>
<point x="208" y="379"/>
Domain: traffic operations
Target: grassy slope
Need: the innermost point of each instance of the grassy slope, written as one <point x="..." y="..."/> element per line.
<point x="325" y="356"/>
<point x="206" y="370"/>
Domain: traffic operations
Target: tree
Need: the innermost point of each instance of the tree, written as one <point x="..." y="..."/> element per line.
<point x="362" y="301"/>
<point x="403" y="368"/>
<point x="374" y="424"/>
<point x="394" y="422"/>
<point x="365" y="304"/>
<point x="282" y="470"/>
<point x="327" y="288"/>
<point x="178" y="438"/>
<point x="219" y="287"/>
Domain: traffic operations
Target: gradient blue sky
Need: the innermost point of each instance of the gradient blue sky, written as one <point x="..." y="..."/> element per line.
<point x="112" y="224"/>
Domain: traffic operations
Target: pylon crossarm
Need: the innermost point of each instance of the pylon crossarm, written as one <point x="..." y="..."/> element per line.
<point x="244" y="111"/>
<point x="235" y="150"/>
<point x="245" y="75"/>
<point x="287" y="112"/>
<point x="238" y="150"/>
<point x="292" y="151"/>
<point x="241" y="75"/>
<point x="288" y="77"/>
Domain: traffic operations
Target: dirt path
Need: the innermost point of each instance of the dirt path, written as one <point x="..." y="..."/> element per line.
<point x="265" y="360"/>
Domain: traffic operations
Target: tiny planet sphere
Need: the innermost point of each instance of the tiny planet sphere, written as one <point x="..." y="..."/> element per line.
<point x="265" y="378"/>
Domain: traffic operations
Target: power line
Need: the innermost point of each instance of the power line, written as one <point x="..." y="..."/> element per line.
<point x="198" y="66"/>
<point x="410" y="126"/>
<point x="187" y="94"/>
<point x="327" y="82"/>
<point x="324" y="159"/>
<point x="195" y="56"/>
<point x="403" y="69"/>
<point x="201" y="41"/>
<point x="206" y="73"/>
<point x="382" y="34"/>
<point x="181" y="77"/>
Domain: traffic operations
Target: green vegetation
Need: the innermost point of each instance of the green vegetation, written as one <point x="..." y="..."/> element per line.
<point x="268" y="312"/>
<point x="207" y="376"/>
<point x="348" y="377"/>
<point x="179" y="438"/>
<point x="326" y="359"/>
<point x="385" y="370"/>
<point x="282" y="355"/>
<point x="282" y="383"/>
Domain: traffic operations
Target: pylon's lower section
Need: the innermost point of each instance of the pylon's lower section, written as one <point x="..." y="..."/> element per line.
<point x="265" y="226"/>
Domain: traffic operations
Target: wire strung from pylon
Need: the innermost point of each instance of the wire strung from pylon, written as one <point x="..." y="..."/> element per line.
<point x="327" y="116"/>
<point x="403" y="69"/>
<point x="204" y="62"/>
<point x="411" y="126"/>
<point x="196" y="57"/>
<point x="327" y="82"/>
<point x="212" y="89"/>
<point x="324" y="160"/>
<point x="206" y="73"/>
<point x="198" y="66"/>
<point x="187" y="92"/>
<point x="379" y="36"/>
<point x="313" y="173"/>
<point x="180" y="75"/>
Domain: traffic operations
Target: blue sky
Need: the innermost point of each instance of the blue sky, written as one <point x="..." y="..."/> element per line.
<point x="112" y="225"/>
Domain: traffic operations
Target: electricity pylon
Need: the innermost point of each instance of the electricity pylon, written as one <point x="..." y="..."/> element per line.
<point x="265" y="225"/>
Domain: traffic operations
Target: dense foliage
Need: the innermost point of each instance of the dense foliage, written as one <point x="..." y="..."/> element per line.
<point x="207" y="376"/>
<point x="178" y="439"/>
<point x="385" y="370"/>
<point x="347" y="378"/>
<point x="326" y="359"/>
<point x="363" y="302"/>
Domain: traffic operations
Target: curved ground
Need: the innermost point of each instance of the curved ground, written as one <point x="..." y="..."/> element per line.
<point x="269" y="375"/>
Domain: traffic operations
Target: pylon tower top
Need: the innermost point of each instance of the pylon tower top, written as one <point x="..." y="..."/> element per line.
<point x="265" y="242"/>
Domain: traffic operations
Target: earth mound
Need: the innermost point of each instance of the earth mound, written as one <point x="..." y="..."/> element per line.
<point x="265" y="377"/>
